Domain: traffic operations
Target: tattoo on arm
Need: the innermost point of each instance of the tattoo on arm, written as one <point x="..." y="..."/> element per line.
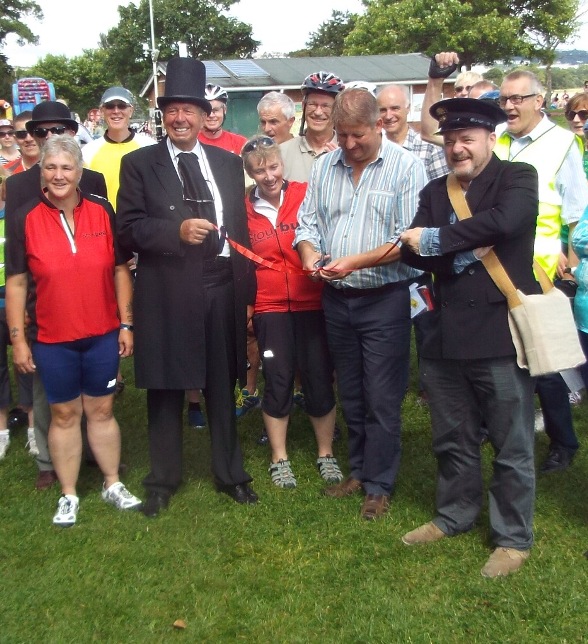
<point x="14" y="332"/>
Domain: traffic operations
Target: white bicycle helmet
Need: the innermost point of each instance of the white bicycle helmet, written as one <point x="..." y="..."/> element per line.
<point x="215" y="93"/>
<point x="359" y="84"/>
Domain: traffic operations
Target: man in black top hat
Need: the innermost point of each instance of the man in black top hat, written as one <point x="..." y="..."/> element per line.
<point x="49" y="118"/>
<point x="468" y="361"/>
<point x="191" y="289"/>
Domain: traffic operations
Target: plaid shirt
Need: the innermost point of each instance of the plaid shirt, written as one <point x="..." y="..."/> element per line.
<point x="431" y="155"/>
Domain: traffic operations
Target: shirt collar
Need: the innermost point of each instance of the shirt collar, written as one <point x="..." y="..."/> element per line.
<point x="254" y="194"/>
<point x="129" y="138"/>
<point x="543" y="126"/>
<point x="175" y="151"/>
<point x="339" y="157"/>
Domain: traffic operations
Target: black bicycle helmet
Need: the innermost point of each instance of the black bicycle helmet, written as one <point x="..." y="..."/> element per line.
<point x="322" y="82"/>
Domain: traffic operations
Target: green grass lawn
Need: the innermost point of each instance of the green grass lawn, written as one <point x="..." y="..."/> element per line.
<point x="298" y="567"/>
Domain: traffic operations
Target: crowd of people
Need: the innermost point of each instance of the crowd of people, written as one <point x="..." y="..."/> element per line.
<point x="207" y="253"/>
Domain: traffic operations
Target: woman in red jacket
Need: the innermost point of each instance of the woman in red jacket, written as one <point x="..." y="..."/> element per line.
<point x="287" y="318"/>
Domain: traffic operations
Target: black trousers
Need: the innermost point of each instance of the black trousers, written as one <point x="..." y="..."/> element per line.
<point x="165" y="406"/>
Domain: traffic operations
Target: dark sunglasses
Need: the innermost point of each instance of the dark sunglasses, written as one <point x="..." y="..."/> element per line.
<point x="116" y="106"/>
<point x="42" y="132"/>
<point x="582" y="115"/>
<point x="265" y="141"/>
<point x="460" y="88"/>
<point x="21" y="135"/>
<point x="8" y="133"/>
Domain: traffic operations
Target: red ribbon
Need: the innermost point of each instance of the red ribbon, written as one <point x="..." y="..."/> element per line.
<point x="289" y="268"/>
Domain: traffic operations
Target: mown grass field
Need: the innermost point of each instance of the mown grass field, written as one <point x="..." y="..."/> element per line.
<point x="296" y="568"/>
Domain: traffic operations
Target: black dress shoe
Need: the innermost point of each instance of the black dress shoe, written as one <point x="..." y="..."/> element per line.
<point x="156" y="501"/>
<point x="241" y="493"/>
<point x="557" y="460"/>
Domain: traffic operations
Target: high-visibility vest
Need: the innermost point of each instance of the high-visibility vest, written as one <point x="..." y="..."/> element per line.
<point x="546" y="154"/>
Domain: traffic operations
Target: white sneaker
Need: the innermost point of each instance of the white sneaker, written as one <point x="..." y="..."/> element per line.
<point x="32" y="442"/>
<point x="118" y="495"/>
<point x="67" y="511"/>
<point x="4" y="442"/>
<point x="575" y="397"/>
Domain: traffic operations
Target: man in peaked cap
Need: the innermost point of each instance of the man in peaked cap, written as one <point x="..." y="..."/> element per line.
<point x="192" y="289"/>
<point x="468" y="361"/>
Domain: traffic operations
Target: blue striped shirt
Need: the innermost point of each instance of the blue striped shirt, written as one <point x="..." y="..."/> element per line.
<point x="342" y="219"/>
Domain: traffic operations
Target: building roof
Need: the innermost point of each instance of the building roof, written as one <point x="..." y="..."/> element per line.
<point x="288" y="73"/>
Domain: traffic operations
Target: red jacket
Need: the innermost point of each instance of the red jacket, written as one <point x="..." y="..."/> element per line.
<point x="276" y="291"/>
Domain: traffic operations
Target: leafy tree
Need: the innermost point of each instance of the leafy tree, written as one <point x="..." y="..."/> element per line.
<point x="201" y="24"/>
<point x="494" y="75"/>
<point x="481" y="32"/>
<point x="80" y="80"/>
<point x="11" y="14"/>
<point x="546" y="25"/>
<point x="329" y="38"/>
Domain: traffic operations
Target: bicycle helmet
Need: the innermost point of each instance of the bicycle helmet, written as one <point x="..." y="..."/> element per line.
<point x="322" y="82"/>
<point x="359" y="84"/>
<point x="215" y="93"/>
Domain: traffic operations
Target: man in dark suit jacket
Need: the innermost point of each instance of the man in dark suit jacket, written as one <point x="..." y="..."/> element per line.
<point x="190" y="312"/>
<point x="468" y="361"/>
<point x="48" y="119"/>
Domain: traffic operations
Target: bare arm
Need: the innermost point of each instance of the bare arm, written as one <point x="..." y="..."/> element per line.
<point x="123" y="286"/>
<point x="16" y="295"/>
<point x="445" y="63"/>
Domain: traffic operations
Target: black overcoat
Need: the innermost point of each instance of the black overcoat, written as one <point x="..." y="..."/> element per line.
<point x="169" y="291"/>
<point x="470" y="320"/>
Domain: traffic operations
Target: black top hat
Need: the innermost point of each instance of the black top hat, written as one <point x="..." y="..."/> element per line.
<point x="185" y="80"/>
<point x="51" y="112"/>
<point x="463" y="113"/>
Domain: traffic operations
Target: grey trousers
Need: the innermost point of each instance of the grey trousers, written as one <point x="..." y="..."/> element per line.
<point x="462" y="394"/>
<point x="42" y="414"/>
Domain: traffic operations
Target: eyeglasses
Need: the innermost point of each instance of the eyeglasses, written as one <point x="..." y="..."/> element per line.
<point x="325" y="107"/>
<point x="515" y="99"/>
<point x="7" y="133"/>
<point x="265" y="141"/>
<point x="581" y="114"/>
<point x="42" y="132"/>
<point x="116" y="106"/>
<point x="217" y="110"/>
<point x="459" y="88"/>
<point x="21" y="135"/>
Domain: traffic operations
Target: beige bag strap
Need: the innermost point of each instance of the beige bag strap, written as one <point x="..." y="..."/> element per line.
<point x="491" y="262"/>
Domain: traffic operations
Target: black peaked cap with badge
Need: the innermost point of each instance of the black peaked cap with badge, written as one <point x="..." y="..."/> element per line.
<point x="464" y="113"/>
<point x="185" y="81"/>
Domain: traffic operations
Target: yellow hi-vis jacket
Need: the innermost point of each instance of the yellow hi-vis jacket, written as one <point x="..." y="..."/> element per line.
<point x="546" y="154"/>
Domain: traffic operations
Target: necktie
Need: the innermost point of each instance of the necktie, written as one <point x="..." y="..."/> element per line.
<point x="199" y="198"/>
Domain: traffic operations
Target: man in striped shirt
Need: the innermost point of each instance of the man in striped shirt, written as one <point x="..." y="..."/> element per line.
<point x="359" y="199"/>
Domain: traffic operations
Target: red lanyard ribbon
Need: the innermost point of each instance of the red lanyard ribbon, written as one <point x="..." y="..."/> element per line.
<point x="284" y="267"/>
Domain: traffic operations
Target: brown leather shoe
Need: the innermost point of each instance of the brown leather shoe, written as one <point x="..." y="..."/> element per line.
<point x="348" y="487"/>
<point x="375" y="506"/>
<point x="45" y="480"/>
